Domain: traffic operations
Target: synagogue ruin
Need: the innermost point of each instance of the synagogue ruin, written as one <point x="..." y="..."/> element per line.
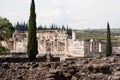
<point x="57" y="43"/>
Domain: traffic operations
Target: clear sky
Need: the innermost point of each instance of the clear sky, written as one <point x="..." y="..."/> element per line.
<point x="79" y="14"/>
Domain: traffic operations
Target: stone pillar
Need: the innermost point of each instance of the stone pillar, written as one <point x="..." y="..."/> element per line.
<point x="44" y="46"/>
<point x="51" y="46"/>
<point x="73" y="35"/>
<point x="91" y="45"/>
<point x="100" y="47"/>
<point x="48" y="57"/>
<point x="66" y="46"/>
<point x="14" y="46"/>
<point x="57" y="46"/>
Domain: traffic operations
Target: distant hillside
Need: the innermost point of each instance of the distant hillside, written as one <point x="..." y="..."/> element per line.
<point x="100" y="31"/>
<point x="99" y="34"/>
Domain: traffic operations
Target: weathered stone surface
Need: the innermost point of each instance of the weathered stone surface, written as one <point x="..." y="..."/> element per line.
<point x="74" y="78"/>
<point x="105" y="68"/>
<point x="5" y="65"/>
<point x="96" y="68"/>
<point x="56" y="65"/>
<point x="82" y="69"/>
<point x="99" y="75"/>
<point x="19" y="77"/>
<point x="65" y="65"/>
<point x="72" y="71"/>
<point x="68" y="76"/>
<point x="35" y="65"/>
<point x="117" y="73"/>
<point x="117" y="68"/>
<point x="50" y="79"/>
<point x="109" y="78"/>
<point x="49" y="75"/>
<point x="48" y="65"/>
<point x="116" y="78"/>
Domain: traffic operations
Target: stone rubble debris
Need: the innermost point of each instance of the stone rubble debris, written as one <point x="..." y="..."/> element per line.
<point x="103" y="68"/>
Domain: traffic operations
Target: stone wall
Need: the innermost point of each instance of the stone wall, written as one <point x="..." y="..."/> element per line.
<point x="76" y="48"/>
<point x="116" y="50"/>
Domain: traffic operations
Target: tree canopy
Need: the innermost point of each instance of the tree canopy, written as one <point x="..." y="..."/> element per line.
<point x="6" y="30"/>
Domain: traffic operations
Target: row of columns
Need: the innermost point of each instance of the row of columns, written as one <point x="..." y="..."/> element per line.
<point x="54" y="46"/>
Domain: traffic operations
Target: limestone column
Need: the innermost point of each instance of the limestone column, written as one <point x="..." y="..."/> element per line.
<point x="66" y="46"/>
<point x="91" y="45"/>
<point x="100" y="47"/>
<point x="51" y="46"/>
<point x="14" y="46"/>
<point x="55" y="43"/>
<point x="44" y="46"/>
<point x="57" y="46"/>
<point x="73" y="35"/>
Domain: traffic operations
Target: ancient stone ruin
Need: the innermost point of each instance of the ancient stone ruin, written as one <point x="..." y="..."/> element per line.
<point x="58" y="44"/>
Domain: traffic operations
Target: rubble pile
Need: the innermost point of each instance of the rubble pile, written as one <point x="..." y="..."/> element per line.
<point x="96" y="68"/>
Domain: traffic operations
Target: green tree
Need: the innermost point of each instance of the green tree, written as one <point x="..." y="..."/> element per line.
<point x="6" y="31"/>
<point x="108" y="42"/>
<point x="32" y="47"/>
<point x="63" y="27"/>
<point x="40" y="27"/>
<point x="69" y="30"/>
<point x="21" y="26"/>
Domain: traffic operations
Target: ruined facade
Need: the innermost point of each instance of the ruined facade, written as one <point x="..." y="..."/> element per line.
<point x="57" y="43"/>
